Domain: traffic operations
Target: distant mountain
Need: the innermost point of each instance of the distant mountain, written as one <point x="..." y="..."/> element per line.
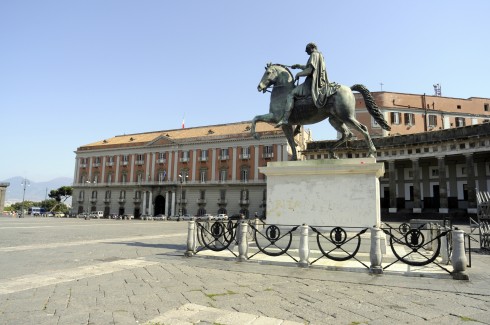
<point x="35" y="191"/>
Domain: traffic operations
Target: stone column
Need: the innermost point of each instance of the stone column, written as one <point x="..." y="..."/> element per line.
<point x="131" y="173"/>
<point x="392" y="172"/>
<point x="194" y="166"/>
<point x="443" y="205"/>
<point x="233" y="162"/>
<point x="471" y="183"/>
<point x="169" y="167"/>
<point x="118" y="161"/>
<point x="3" y="189"/>
<point x="167" y="204"/>
<point x="143" y="208"/>
<point x="103" y="177"/>
<point x="213" y="164"/>
<point x="150" y="204"/>
<point x="172" y="213"/>
<point x="417" y="204"/>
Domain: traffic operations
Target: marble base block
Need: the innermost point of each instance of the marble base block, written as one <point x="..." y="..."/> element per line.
<point x="333" y="192"/>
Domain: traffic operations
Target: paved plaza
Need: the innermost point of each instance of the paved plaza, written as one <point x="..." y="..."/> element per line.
<point x="74" y="271"/>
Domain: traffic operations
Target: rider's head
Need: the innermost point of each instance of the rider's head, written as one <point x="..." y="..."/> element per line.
<point x="310" y="47"/>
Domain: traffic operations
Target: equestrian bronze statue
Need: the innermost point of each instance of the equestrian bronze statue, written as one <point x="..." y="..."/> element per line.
<point x="338" y="107"/>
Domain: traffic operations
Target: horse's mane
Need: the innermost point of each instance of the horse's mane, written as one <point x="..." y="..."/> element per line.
<point x="285" y="67"/>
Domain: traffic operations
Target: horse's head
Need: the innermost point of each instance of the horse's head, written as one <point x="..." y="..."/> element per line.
<point x="275" y="74"/>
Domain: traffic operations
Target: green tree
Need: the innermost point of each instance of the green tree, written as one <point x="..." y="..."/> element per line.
<point x="61" y="195"/>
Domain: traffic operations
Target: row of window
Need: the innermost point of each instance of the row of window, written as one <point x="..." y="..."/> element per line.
<point x="409" y="119"/>
<point x="244" y="194"/>
<point x="162" y="174"/>
<point x="184" y="156"/>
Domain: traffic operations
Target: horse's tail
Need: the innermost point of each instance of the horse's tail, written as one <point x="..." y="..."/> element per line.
<point x="371" y="106"/>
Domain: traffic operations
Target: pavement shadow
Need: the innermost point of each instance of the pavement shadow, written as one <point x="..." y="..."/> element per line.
<point x="147" y="245"/>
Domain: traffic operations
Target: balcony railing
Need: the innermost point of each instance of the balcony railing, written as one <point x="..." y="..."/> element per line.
<point x="184" y="159"/>
<point x="268" y="155"/>
<point x="244" y="202"/>
<point x="222" y="201"/>
<point x="224" y="157"/>
<point x="137" y="200"/>
<point x="201" y="201"/>
<point x="245" y="156"/>
<point x="109" y="163"/>
<point x="83" y="165"/>
<point x="93" y="200"/>
<point x="107" y="200"/>
<point x="161" y="161"/>
<point x="121" y="200"/>
<point x="140" y="162"/>
<point x="124" y="163"/>
<point x="203" y="158"/>
<point x="182" y="201"/>
<point x="80" y="199"/>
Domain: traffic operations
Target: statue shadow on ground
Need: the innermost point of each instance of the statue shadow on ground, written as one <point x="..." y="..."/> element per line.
<point x="147" y="245"/>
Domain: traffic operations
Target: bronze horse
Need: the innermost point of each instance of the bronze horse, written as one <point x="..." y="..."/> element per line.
<point x="339" y="109"/>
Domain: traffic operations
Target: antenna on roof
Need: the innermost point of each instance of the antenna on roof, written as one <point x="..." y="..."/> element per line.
<point x="437" y="90"/>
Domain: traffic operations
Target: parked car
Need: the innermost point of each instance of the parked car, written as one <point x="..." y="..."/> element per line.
<point x="173" y="218"/>
<point x="160" y="217"/>
<point x="205" y="217"/>
<point x="114" y="216"/>
<point x="96" y="214"/>
<point x="146" y="217"/>
<point x="221" y="217"/>
<point x="59" y="215"/>
<point x="128" y="217"/>
<point x="236" y="216"/>
<point x="186" y="217"/>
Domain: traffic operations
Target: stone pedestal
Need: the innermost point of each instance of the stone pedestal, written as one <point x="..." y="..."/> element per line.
<point x="342" y="192"/>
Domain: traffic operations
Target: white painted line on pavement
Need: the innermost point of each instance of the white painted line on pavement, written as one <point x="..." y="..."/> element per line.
<point x="84" y="242"/>
<point x="37" y="280"/>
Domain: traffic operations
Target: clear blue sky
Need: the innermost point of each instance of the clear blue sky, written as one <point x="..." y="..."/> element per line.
<point x="75" y="72"/>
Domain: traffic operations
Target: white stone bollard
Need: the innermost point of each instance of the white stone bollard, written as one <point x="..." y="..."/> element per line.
<point x="444" y="251"/>
<point x="458" y="257"/>
<point x="191" y="239"/>
<point x="375" y="255"/>
<point x="304" y="249"/>
<point x="242" y="242"/>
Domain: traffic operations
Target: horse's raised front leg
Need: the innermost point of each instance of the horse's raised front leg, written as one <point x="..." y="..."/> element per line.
<point x="269" y="118"/>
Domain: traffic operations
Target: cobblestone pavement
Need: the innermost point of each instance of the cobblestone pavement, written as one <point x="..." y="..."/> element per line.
<point x="71" y="271"/>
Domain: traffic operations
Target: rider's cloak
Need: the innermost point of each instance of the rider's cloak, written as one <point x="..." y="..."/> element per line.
<point x="319" y="80"/>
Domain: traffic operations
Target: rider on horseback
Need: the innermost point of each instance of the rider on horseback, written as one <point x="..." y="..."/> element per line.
<point x="315" y="85"/>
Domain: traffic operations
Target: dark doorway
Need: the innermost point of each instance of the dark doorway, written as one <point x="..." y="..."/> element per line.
<point x="137" y="213"/>
<point x="159" y="205"/>
<point x="385" y="201"/>
<point x="436" y="200"/>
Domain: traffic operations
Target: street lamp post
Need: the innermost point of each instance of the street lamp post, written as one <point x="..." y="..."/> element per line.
<point x="88" y="201"/>
<point x="25" y="183"/>
<point x="182" y="180"/>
